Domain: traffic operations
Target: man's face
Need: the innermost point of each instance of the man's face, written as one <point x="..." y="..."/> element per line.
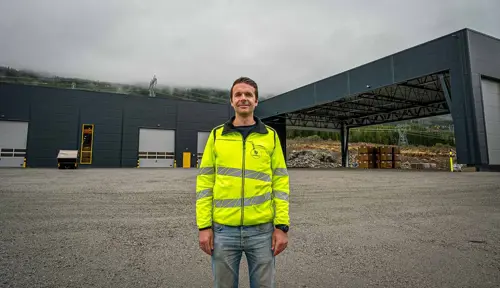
<point x="243" y="99"/>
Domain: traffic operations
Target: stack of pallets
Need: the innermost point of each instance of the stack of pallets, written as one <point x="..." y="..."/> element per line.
<point x="384" y="158"/>
<point x="396" y="158"/>
<point x="366" y="157"/>
<point x="379" y="157"/>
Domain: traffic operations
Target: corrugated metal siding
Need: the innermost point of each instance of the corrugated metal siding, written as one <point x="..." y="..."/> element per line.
<point x="144" y="113"/>
<point x="53" y="125"/>
<point x="107" y="127"/>
<point x="12" y="104"/>
<point x="56" y="117"/>
<point x="193" y="118"/>
<point x="484" y="54"/>
<point x="491" y="100"/>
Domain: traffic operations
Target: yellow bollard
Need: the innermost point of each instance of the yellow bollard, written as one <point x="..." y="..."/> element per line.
<point x="175" y="164"/>
<point x="24" y="163"/>
<point x="138" y="161"/>
<point x="451" y="161"/>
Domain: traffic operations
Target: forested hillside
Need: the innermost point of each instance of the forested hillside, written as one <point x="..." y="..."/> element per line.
<point x="210" y="95"/>
<point x="389" y="134"/>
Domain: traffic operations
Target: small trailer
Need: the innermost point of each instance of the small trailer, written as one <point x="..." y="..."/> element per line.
<point x="67" y="159"/>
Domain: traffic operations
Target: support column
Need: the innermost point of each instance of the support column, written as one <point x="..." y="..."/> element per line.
<point x="344" y="145"/>
<point x="446" y="91"/>
<point x="279" y="124"/>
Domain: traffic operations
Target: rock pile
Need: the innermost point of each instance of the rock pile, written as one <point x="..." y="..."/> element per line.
<point x="321" y="158"/>
<point x="313" y="159"/>
<point x="316" y="158"/>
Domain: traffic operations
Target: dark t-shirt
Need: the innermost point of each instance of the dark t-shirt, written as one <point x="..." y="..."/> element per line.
<point x="245" y="130"/>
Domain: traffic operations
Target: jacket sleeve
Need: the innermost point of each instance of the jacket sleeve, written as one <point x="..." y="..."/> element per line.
<point x="205" y="181"/>
<point x="281" y="190"/>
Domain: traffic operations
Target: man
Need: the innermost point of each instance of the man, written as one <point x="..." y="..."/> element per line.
<point x="242" y="194"/>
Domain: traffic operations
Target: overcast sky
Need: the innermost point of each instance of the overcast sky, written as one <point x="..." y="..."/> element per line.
<point x="282" y="44"/>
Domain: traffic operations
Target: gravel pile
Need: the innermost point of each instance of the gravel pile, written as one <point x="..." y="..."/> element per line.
<point x="314" y="159"/>
<point x="317" y="159"/>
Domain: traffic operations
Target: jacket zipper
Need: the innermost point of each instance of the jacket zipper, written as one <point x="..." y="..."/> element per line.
<point x="243" y="182"/>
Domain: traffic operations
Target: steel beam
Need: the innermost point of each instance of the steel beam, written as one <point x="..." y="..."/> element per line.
<point x="446" y="91"/>
<point x="401" y="114"/>
<point x="312" y="121"/>
<point x="312" y="129"/>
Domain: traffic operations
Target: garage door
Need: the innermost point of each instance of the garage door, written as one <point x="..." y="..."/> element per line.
<point x="156" y="148"/>
<point x="13" y="138"/>
<point x="491" y="104"/>
<point x="202" y="141"/>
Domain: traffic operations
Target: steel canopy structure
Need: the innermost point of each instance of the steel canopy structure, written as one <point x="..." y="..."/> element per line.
<point x="421" y="97"/>
<point x="442" y="76"/>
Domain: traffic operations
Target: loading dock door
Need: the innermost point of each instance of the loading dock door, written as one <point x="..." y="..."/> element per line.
<point x="156" y="147"/>
<point x="491" y="105"/>
<point x="202" y="141"/>
<point x="13" y="139"/>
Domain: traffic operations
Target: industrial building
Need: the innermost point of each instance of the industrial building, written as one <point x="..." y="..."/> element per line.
<point x="109" y="130"/>
<point x="457" y="74"/>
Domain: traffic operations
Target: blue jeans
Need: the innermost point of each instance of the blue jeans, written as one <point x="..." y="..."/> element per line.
<point x="229" y="245"/>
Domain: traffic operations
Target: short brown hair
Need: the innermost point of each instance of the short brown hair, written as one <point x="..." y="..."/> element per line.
<point x="248" y="81"/>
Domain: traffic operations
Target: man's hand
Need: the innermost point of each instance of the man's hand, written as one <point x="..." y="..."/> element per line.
<point x="280" y="241"/>
<point x="206" y="240"/>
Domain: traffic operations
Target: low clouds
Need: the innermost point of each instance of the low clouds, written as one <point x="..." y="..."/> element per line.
<point x="282" y="44"/>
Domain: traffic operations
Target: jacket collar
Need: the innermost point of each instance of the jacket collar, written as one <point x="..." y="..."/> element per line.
<point x="259" y="127"/>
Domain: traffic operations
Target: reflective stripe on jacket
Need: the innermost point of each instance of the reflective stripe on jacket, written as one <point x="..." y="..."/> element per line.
<point x="242" y="182"/>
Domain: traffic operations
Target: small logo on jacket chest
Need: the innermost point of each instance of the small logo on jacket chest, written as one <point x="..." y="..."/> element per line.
<point x="258" y="151"/>
<point x="255" y="153"/>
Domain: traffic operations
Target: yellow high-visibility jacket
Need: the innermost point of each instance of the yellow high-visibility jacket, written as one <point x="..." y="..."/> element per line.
<point x="242" y="182"/>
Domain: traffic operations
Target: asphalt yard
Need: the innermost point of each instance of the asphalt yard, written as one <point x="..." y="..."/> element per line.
<point x="350" y="228"/>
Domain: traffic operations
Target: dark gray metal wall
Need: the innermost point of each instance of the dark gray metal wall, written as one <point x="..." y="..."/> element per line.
<point x="484" y="56"/>
<point x="55" y="118"/>
<point x="193" y="117"/>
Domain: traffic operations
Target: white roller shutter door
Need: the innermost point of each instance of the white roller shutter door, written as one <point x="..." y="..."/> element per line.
<point x="491" y="104"/>
<point x="202" y="141"/>
<point x="156" y="147"/>
<point x="13" y="142"/>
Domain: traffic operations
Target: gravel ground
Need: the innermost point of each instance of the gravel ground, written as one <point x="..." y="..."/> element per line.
<point x="350" y="228"/>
